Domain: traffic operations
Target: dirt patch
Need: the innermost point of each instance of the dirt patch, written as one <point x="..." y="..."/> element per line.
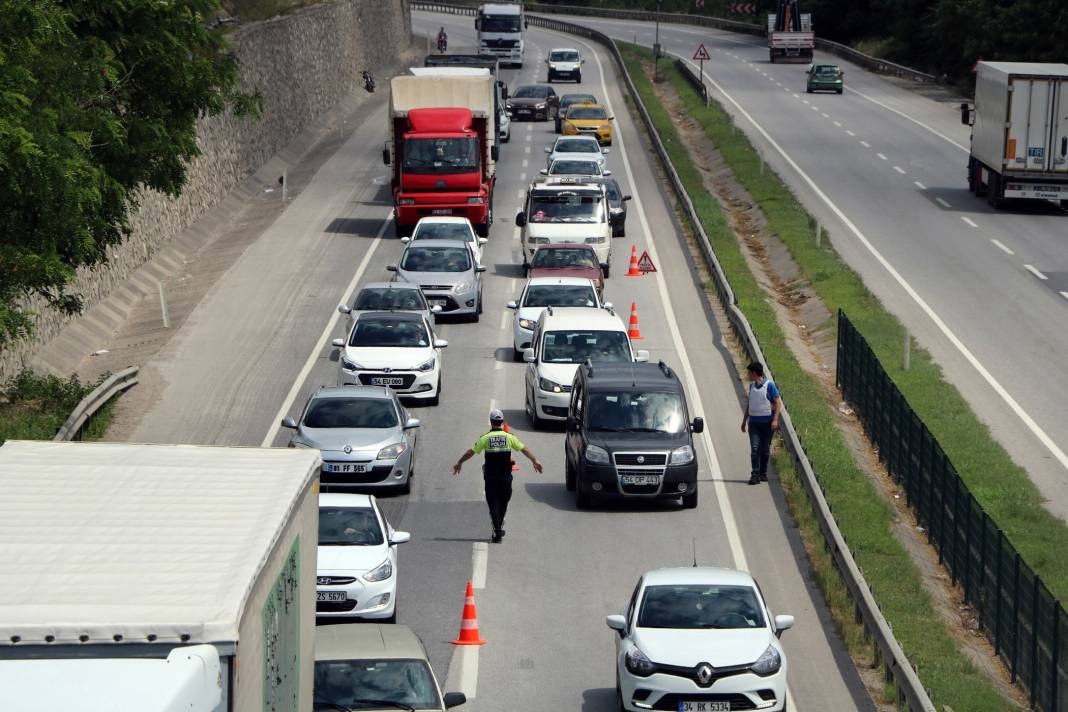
<point x="810" y="330"/>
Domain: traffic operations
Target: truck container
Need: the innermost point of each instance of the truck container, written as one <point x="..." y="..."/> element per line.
<point x="481" y="61"/>
<point x="1019" y="146"/>
<point x="790" y="35"/>
<point x="157" y="578"/>
<point x="441" y="147"/>
<point x="500" y="31"/>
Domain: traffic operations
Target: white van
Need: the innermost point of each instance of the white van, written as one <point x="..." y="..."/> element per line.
<point x="566" y="210"/>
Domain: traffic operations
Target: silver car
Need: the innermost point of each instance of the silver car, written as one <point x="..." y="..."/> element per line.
<point x="447" y="272"/>
<point x="366" y="437"/>
<point x="389" y="296"/>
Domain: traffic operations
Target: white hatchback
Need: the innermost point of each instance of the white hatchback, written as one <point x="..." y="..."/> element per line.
<point x="356" y="568"/>
<point x="699" y="639"/>
<point x="579" y="147"/>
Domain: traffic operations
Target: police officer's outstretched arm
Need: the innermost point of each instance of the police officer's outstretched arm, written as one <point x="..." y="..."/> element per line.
<point x="537" y="465"/>
<point x="460" y="463"/>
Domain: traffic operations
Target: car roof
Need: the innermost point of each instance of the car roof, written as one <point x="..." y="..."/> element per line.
<point x="703" y="575"/>
<point x="438" y="242"/>
<point x="389" y="285"/>
<point x="624" y="376"/>
<point x="565" y="246"/>
<point x="566" y="281"/>
<point x="383" y="392"/>
<point x="576" y="139"/>
<point x="339" y="499"/>
<point x="581" y="318"/>
<point x="577" y="94"/>
<point x="444" y="219"/>
<point x="563" y="49"/>
<point x="367" y="641"/>
<point x="558" y="183"/>
<point x="588" y="105"/>
<point x="391" y="316"/>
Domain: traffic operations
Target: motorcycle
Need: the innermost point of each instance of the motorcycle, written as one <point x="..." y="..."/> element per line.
<point x="443" y="44"/>
<point x="368" y="81"/>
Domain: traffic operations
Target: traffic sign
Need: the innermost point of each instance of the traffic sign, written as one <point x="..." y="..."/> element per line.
<point x="701" y="53"/>
<point x="699" y="4"/>
<point x="743" y="8"/>
<point x="645" y="263"/>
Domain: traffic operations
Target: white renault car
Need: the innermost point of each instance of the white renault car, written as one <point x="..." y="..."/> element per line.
<point x="699" y="639"/>
<point x="395" y="349"/>
<point x="542" y="292"/>
<point x="356" y="567"/>
<point x="579" y="147"/>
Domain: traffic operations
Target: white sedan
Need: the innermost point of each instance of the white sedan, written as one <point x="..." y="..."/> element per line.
<point x="575" y="167"/>
<point x="542" y="292"/>
<point x="699" y="639"/>
<point x="448" y="228"/>
<point x="581" y="147"/>
<point x="356" y="568"/>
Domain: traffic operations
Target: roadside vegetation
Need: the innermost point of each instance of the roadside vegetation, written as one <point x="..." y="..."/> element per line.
<point x="34" y="407"/>
<point x="864" y="517"/>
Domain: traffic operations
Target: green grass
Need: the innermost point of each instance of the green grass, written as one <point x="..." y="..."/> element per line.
<point x="34" y="407"/>
<point x="863" y="516"/>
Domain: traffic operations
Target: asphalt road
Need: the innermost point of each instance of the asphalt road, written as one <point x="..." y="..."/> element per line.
<point x="884" y="168"/>
<point x="258" y="344"/>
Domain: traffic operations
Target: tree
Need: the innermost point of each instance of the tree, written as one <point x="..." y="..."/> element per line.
<point x="98" y="98"/>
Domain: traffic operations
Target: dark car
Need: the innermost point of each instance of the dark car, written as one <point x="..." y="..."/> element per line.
<point x="533" y="101"/>
<point x="824" y="77"/>
<point x="617" y="206"/>
<point x="629" y="434"/>
<point x="567" y="260"/>
<point x="567" y="100"/>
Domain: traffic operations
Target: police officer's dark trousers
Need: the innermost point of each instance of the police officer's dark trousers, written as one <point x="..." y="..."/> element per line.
<point x="498" y="493"/>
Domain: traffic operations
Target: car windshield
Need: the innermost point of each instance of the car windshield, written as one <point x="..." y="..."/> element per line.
<point x="374" y="684"/>
<point x="441" y="155"/>
<point x="443" y="231"/>
<point x="579" y="145"/>
<point x="386" y="298"/>
<point x="580" y="346"/>
<point x="700" y="606"/>
<point x="379" y="333"/>
<point x="569" y="99"/>
<point x="566" y="207"/>
<point x="586" y="112"/>
<point x="492" y="23"/>
<point x="531" y="92"/>
<point x="563" y="56"/>
<point x="565" y="258"/>
<point x="636" y="412"/>
<point x="351" y="413"/>
<point x="827" y="69"/>
<point x="569" y="167"/>
<point x="560" y="295"/>
<point x="436" y="259"/>
<point x="349" y="526"/>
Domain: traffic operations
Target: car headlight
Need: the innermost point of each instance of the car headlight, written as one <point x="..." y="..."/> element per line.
<point x="681" y="455"/>
<point x="380" y="573"/>
<point x="350" y="365"/>
<point x="768" y="663"/>
<point x="392" y="452"/>
<point x="637" y="663"/>
<point x="462" y="287"/>
<point x="546" y="385"/>
<point x="594" y="240"/>
<point x="597" y="456"/>
<point x="427" y="365"/>
<point x="540" y="106"/>
<point x="508" y="105"/>
<point x="527" y="324"/>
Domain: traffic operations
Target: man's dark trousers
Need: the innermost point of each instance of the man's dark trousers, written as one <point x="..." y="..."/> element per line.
<point x="760" y="446"/>
<point x="498" y="493"/>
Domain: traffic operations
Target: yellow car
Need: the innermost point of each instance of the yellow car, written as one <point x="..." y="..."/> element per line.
<point x="588" y="120"/>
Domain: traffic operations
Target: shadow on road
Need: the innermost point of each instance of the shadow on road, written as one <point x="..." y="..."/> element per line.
<point x="601" y="699"/>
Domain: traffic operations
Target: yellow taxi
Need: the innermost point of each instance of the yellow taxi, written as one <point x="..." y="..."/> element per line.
<point x="588" y="120"/>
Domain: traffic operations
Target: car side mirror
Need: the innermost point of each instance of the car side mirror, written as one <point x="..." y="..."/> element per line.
<point x="548" y="149"/>
<point x="288" y="422"/>
<point x="482" y="240"/>
<point x="608" y="305"/>
<point x="606" y="173"/>
<point x="436" y="309"/>
<point x="546" y="61"/>
<point x="338" y="343"/>
<point x="412" y="423"/>
<point x="611" y="118"/>
<point x="480" y="268"/>
<point x="440" y="343"/>
<point x="544" y="171"/>
<point x="344" y="308"/>
<point x="641" y="356"/>
<point x="512" y="305"/>
<point x="528" y="356"/>
<point x="617" y="623"/>
<point x="582" y="61"/>
<point x="391" y="268"/>
<point x="520" y="219"/>
<point x="400" y="538"/>
<point x="385" y="154"/>
<point x="453" y="699"/>
<point x="606" y="151"/>
<point x="698" y="425"/>
<point x="783" y="623"/>
<point x="405" y="240"/>
<point x="627" y="197"/>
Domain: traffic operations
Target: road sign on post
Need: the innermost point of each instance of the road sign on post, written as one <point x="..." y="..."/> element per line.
<point x="700" y="56"/>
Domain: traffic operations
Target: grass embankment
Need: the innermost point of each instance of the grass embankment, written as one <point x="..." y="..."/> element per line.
<point x="863" y="516"/>
<point x="34" y="407"/>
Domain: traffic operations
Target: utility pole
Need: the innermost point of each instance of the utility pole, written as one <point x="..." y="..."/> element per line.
<point x="656" y="46"/>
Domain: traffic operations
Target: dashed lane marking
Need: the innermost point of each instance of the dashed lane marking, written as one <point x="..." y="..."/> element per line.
<point x="505" y="320"/>
<point x="943" y="202"/>
<point x="850" y="133"/>
<point x="838" y="124"/>
<point x="865" y="144"/>
<point x="1064" y="294"/>
<point x="526" y="162"/>
<point x="1032" y="270"/>
<point x="826" y="116"/>
<point x="900" y="170"/>
<point x="1001" y="246"/>
<point x="882" y="156"/>
<point x="919" y="185"/>
<point x="969" y="222"/>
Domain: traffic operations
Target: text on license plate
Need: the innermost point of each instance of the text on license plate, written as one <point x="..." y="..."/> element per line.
<point x="344" y="467"/>
<point x="330" y="596"/>
<point x="704" y="707"/>
<point x="441" y="211"/>
<point x="641" y="480"/>
<point x="387" y="381"/>
<point x="437" y="302"/>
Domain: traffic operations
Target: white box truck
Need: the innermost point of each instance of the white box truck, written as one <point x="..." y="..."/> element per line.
<point x="500" y="31"/>
<point x="1019" y="145"/>
<point x="157" y="578"/>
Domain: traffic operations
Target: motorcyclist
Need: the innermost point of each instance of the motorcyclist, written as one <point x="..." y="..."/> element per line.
<point x="443" y="40"/>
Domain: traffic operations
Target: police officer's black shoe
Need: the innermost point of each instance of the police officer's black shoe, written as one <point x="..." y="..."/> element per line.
<point x="496" y="539"/>
<point x="500" y="533"/>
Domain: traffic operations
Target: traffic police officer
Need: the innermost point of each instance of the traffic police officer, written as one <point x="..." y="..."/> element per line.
<point x="498" y="446"/>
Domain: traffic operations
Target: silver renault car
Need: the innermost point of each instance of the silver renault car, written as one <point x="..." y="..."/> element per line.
<point x="447" y="271"/>
<point x="366" y="436"/>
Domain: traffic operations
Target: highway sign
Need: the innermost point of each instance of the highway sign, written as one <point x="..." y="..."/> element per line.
<point x="645" y="263"/>
<point x="701" y="53"/>
<point x="743" y="8"/>
<point x="699" y="4"/>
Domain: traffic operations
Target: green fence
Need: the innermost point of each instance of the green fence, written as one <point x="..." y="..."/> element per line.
<point x="1026" y="624"/>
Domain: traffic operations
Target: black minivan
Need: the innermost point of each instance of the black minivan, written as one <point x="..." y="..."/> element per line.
<point x="629" y="434"/>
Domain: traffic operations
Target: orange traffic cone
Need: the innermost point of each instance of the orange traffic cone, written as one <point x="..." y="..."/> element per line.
<point x="515" y="467"/>
<point x="633" y="331"/>
<point x="634" y="271"/>
<point x="469" y="623"/>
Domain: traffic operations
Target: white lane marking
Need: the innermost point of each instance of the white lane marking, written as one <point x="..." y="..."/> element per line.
<point x="505" y="319"/>
<point x="815" y="108"/>
<point x="964" y="351"/>
<point x="900" y="170"/>
<point x="331" y="324"/>
<point x="493" y="404"/>
<point x="969" y="222"/>
<point x="943" y="202"/>
<point x="519" y="194"/>
<point x="1032" y="270"/>
<point x="805" y="100"/>
<point x="850" y="133"/>
<point x="530" y="129"/>
<point x="1064" y="294"/>
<point x="479" y="561"/>
<point x="826" y="116"/>
<point x="463" y="670"/>
<point x="526" y="149"/>
<point x="530" y="137"/>
<point x="903" y="115"/>
<point x="865" y="144"/>
<point x="526" y="161"/>
<point x="498" y="365"/>
<point x="838" y="124"/>
<point x="798" y="96"/>
<point x="919" y="185"/>
<point x="523" y="176"/>
<point x="881" y="156"/>
<point x="1001" y="246"/>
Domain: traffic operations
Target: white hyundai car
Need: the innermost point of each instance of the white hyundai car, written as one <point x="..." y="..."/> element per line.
<point x="579" y="147"/>
<point x="395" y="349"/>
<point x="356" y="565"/>
<point x="542" y="292"/>
<point x="699" y="639"/>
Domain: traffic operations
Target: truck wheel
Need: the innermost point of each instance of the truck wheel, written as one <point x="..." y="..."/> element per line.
<point x="569" y="476"/>
<point x="689" y="501"/>
<point x="400" y="230"/>
<point x="482" y="230"/>
<point x="993" y="191"/>
<point x="771" y="56"/>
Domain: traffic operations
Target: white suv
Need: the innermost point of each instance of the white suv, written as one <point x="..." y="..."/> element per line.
<point x="566" y="210"/>
<point x="563" y="339"/>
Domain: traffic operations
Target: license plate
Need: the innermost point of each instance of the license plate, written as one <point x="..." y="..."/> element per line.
<point x="386" y="381"/>
<point x="437" y="302"/>
<point x="331" y="596"/>
<point x="441" y="211"/>
<point x="344" y="467"/>
<point x="641" y="480"/>
<point x="704" y="707"/>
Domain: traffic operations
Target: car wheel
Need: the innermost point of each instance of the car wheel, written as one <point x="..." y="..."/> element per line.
<point x="406" y="488"/>
<point x="558" y="125"/>
<point x="809" y="90"/>
<point x="619" y="695"/>
<point x="437" y="395"/>
<point x="578" y="78"/>
<point x="840" y="91"/>
<point x="392" y="618"/>
<point x="480" y="302"/>
<point x="400" y="230"/>
<point x="569" y="475"/>
<point x="535" y="419"/>
<point x="620" y="231"/>
<point x="689" y="501"/>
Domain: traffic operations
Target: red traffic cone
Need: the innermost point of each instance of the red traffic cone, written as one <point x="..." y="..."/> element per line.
<point x="515" y="467"/>
<point x="469" y="623"/>
<point x="633" y="331"/>
<point x="634" y="271"/>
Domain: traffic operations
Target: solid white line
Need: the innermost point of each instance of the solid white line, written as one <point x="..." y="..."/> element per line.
<point x="881" y="155"/>
<point x="900" y="170"/>
<point x="943" y="202"/>
<point x="479" y="561"/>
<point x="998" y="244"/>
<point x="331" y="323"/>
<point x="1035" y="272"/>
<point x="850" y="133"/>
<point x="838" y="124"/>
<point x="902" y="114"/>
<point x="1022" y="414"/>
<point x="919" y="185"/>
<point x="968" y="221"/>
<point x="865" y="144"/>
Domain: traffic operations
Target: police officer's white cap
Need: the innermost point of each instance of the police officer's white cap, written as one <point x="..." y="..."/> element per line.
<point x="496" y="416"/>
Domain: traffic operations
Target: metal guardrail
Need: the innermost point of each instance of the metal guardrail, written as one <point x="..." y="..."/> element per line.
<point x="909" y="691"/>
<point x="696" y="81"/>
<point x="92" y="403"/>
